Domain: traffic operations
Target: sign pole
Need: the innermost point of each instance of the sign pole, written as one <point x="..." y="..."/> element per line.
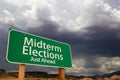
<point x="61" y="74"/>
<point x="21" y="72"/>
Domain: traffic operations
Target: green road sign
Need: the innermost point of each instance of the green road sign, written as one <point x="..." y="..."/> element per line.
<point x="27" y="48"/>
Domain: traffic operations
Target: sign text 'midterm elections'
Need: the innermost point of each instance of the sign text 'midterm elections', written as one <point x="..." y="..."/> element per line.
<point x="35" y="48"/>
<point x="25" y="48"/>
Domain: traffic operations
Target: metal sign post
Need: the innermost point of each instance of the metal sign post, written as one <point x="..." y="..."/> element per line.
<point x="61" y="74"/>
<point x="21" y="72"/>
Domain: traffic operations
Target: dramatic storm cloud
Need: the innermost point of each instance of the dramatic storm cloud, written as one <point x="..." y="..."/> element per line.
<point x="92" y="28"/>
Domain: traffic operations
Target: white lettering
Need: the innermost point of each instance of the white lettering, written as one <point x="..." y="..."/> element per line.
<point x="30" y="42"/>
<point x="25" y="50"/>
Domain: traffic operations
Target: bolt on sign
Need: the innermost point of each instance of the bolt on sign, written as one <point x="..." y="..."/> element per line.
<point x="25" y="48"/>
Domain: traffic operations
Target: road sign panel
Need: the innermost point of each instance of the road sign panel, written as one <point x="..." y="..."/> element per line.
<point x="27" y="48"/>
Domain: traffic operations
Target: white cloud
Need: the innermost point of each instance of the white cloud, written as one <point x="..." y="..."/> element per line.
<point x="78" y="67"/>
<point x="72" y="15"/>
<point x="8" y="17"/>
<point x="109" y="65"/>
<point x="27" y="13"/>
<point x="106" y="65"/>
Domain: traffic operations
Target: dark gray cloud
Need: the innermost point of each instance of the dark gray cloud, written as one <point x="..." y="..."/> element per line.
<point x="105" y="40"/>
<point x="3" y="50"/>
<point x="97" y="40"/>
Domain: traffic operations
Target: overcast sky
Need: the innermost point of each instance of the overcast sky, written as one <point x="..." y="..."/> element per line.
<point x="91" y="27"/>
